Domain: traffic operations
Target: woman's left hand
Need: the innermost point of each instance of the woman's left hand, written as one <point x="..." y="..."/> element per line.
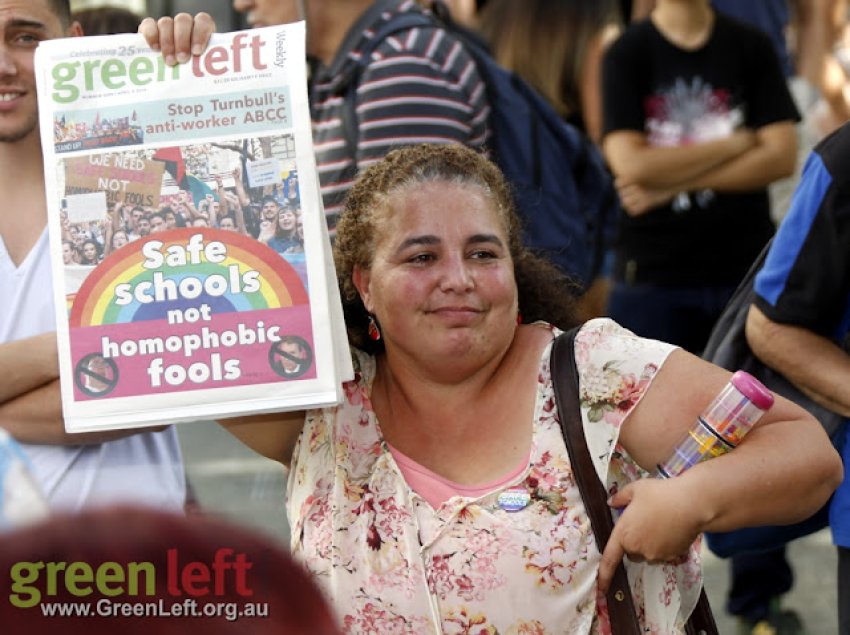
<point x="180" y="37"/>
<point x="659" y="524"/>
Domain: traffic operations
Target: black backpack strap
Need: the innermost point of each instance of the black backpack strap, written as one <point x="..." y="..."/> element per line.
<point x="621" y="608"/>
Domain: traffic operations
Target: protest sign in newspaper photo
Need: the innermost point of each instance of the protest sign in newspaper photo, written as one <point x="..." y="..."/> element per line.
<point x="191" y="264"/>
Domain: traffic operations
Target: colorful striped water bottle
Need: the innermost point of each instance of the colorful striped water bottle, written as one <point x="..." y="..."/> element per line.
<point x="721" y="426"/>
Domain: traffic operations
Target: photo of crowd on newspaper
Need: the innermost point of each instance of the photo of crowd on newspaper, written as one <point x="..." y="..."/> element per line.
<point x="249" y="186"/>
<point x="96" y="131"/>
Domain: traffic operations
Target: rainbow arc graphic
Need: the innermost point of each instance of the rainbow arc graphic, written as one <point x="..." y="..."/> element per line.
<point x="95" y="302"/>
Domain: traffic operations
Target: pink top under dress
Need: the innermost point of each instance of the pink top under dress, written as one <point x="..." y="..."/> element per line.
<point x="391" y="563"/>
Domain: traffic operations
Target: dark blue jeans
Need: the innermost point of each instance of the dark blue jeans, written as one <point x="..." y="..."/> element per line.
<point x="679" y="315"/>
<point x="756" y="578"/>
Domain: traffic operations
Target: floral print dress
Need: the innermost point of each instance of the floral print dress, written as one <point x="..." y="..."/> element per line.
<point x="390" y="563"/>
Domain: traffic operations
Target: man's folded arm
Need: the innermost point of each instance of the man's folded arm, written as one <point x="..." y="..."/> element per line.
<point x="27" y="364"/>
<point x="634" y="160"/>
<point x="36" y="417"/>
<point x="772" y="158"/>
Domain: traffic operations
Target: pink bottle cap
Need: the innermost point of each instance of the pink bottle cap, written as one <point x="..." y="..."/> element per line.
<point x="752" y="389"/>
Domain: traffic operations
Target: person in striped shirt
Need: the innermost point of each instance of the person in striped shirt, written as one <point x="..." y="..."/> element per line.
<point x="419" y="86"/>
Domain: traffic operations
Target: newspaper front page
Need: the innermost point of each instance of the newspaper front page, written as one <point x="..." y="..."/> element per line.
<point x="191" y="266"/>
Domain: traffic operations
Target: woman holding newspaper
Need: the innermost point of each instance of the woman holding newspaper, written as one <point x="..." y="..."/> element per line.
<point x="439" y="494"/>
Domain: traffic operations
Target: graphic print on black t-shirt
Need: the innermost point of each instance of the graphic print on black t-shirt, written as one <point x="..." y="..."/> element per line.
<point x="691" y="111"/>
<point x="734" y="81"/>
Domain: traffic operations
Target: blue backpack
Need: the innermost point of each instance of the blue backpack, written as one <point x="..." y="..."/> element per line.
<point x="563" y="190"/>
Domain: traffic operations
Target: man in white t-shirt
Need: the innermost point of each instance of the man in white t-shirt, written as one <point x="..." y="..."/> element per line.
<point x="81" y="469"/>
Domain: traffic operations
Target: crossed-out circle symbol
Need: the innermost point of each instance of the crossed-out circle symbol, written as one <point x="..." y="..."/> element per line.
<point x="96" y="375"/>
<point x="290" y="357"/>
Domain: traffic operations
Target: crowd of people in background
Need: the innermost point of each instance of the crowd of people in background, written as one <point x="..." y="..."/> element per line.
<point x="270" y="214"/>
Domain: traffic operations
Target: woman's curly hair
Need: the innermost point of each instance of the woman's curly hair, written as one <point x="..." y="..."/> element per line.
<point x="545" y="292"/>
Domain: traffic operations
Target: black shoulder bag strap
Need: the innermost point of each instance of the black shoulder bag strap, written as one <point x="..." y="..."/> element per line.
<point x="621" y="608"/>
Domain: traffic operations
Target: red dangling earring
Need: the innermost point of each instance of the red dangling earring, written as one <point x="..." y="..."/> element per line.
<point x="518" y="318"/>
<point x="374" y="331"/>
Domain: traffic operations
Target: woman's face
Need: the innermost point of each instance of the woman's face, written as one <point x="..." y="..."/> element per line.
<point x="119" y="239"/>
<point x="89" y="252"/>
<point x="286" y="219"/>
<point x="441" y="282"/>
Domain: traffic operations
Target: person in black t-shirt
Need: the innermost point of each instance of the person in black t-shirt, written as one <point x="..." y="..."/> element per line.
<point x="698" y="121"/>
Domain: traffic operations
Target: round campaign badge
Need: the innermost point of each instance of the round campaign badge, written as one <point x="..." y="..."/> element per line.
<point x="514" y="499"/>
